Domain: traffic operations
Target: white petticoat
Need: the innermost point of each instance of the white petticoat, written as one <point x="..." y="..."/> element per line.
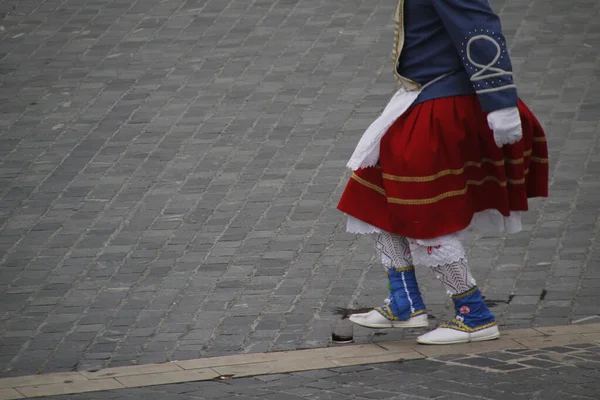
<point x="486" y="221"/>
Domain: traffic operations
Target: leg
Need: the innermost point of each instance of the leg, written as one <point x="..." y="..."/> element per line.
<point x="473" y="321"/>
<point x="404" y="308"/>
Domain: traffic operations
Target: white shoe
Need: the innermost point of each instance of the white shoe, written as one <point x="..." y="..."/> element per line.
<point x="453" y="336"/>
<point x="373" y="319"/>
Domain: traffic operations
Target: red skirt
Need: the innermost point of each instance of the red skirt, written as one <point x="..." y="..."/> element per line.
<point x="439" y="165"/>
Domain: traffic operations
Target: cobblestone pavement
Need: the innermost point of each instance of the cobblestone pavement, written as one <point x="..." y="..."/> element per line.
<point x="571" y="372"/>
<point x="169" y="171"/>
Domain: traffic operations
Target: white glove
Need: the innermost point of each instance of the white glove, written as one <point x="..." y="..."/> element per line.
<point x="506" y="125"/>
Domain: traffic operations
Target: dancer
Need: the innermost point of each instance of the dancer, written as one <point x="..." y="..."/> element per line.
<point x="455" y="149"/>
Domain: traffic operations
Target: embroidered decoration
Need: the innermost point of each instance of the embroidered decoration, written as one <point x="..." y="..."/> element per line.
<point x="408" y="296"/>
<point x="464" y="310"/>
<point x="458" y="325"/>
<point x="430" y="249"/>
<point x="489" y="70"/>
<point x="386" y="311"/>
<point x="465" y="294"/>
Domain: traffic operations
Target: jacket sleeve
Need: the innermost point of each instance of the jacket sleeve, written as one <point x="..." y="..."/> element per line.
<point x="476" y="32"/>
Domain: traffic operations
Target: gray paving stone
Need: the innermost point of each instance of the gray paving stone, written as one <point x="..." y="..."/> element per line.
<point x="169" y="172"/>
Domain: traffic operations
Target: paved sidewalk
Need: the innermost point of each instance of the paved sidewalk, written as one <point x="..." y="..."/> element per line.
<point x="538" y="363"/>
<point x="559" y="373"/>
<point x="169" y="171"/>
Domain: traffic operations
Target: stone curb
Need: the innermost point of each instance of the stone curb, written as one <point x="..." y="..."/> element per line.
<point x="244" y="365"/>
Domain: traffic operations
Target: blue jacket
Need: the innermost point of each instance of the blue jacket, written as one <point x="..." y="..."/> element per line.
<point x="462" y="38"/>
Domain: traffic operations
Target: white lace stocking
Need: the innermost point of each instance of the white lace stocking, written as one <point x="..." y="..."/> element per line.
<point x="447" y="257"/>
<point x="394" y="250"/>
<point x="456" y="276"/>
